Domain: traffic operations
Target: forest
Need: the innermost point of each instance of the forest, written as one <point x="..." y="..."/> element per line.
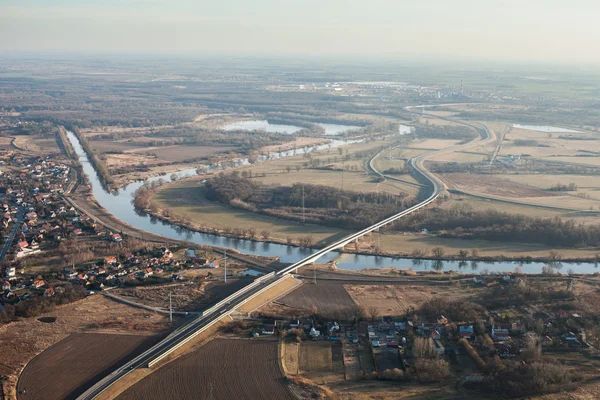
<point x="310" y="203"/>
<point x="466" y="223"/>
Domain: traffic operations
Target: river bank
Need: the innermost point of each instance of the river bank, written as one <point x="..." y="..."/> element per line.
<point x="120" y="206"/>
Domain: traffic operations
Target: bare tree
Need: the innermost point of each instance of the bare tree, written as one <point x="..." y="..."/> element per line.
<point x="373" y="313"/>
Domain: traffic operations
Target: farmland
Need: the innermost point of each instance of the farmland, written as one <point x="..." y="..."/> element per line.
<point x="24" y="339"/>
<point x="329" y="299"/>
<point x="221" y="369"/>
<point x="193" y="296"/>
<point x="69" y="367"/>
<point x="321" y="360"/>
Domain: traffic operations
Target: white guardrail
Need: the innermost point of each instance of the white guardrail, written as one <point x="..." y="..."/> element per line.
<point x="214" y="321"/>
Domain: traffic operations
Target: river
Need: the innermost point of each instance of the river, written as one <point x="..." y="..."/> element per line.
<point x="120" y="205"/>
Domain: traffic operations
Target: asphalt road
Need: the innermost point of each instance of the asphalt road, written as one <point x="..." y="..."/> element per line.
<point x="173" y="339"/>
<point x="190" y="328"/>
<point x="11" y="236"/>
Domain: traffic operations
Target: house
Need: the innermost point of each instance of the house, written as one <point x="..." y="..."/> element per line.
<point x="23" y="244"/>
<point x="465" y="331"/>
<point x="38" y="283"/>
<point x="110" y="260"/>
<point x="436" y="334"/>
<point x="501" y="331"/>
<point x="10" y="273"/>
<point x="49" y="292"/>
<point x="295" y="323"/>
<point x="190" y="253"/>
<point x="77" y="231"/>
<point x="214" y="264"/>
<point x="268" y="330"/>
<point x="571" y="339"/>
<point x="375" y="342"/>
<point x="5" y="285"/>
<point x="314" y="333"/>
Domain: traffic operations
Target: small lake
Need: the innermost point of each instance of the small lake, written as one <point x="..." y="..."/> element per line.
<point x="545" y="128"/>
<point x="261" y="125"/>
<point x="337" y="129"/>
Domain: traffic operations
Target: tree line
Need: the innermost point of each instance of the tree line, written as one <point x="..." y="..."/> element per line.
<point x="466" y="223"/>
<point x="312" y="203"/>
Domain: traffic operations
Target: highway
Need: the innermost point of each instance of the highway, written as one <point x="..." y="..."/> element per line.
<point x="223" y="308"/>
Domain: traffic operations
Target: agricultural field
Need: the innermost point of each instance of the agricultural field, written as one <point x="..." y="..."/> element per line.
<point x="221" y="369"/>
<point x="24" y="339"/>
<point x="186" y="198"/>
<point x="193" y="296"/>
<point x="69" y="367"/>
<point x="321" y="360"/>
<point x="328" y="298"/>
<point x="396" y="300"/>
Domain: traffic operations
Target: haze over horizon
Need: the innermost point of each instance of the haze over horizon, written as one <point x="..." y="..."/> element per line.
<point x="535" y="31"/>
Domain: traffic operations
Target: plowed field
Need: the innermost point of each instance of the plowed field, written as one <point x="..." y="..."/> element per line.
<point x="68" y="368"/>
<point x="222" y="369"/>
<point x="329" y="298"/>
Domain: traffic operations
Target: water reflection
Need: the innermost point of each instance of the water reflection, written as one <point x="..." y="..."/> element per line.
<point x="119" y="204"/>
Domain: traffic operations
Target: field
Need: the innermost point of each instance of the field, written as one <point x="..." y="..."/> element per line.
<point x="185" y="296"/>
<point x="68" y="368"/>
<point x="490" y="185"/>
<point x="24" y="339"/>
<point x="328" y="298"/>
<point x="395" y="300"/>
<point x="221" y="369"/>
<point x="321" y="360"/>
<point x="186" y="198"/>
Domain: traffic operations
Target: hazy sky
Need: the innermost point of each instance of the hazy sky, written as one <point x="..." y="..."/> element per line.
<point x="510" y="30"/>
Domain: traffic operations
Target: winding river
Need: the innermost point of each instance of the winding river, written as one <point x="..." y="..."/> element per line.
<point x="120" y="205"/>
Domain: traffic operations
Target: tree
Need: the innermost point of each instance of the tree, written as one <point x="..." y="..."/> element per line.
<point x="358" y="313"/>
<point x="373" y="313"/>
<point x="438" y="252"/>
<point x="463" y="254"/>
<point x="265" y="234"/>
<point x="474" y="253"/>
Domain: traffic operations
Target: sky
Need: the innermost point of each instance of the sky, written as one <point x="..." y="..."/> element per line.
<point x="538" y="31"/>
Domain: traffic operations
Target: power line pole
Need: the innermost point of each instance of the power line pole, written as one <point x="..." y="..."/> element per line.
<point x="303" y="211"/>
<point x="225" y="266"/>
<point x="314" y="274"/>
<point x="170" y="308"/>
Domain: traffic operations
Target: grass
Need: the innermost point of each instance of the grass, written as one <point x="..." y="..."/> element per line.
<point x="187" y="199"/>
<point x="269" y="295"/>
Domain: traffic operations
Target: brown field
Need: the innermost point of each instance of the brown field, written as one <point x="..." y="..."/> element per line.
<point x="321" y="359"/>
<point x="181" y="153"/>
<point x="222" y="369"/>
<point x="490" y="185"/>
<point x="397" y="299"/>
<point x="433" y="144"/>
<point x="267" y="297"/>
<point x="329" y="298"/>
<point x="24" y="339"/>
<point x="186" y="296"/>
<point x="546" y="181"/>
<point x="187" y="198"/>
<point x="68" y="368"/>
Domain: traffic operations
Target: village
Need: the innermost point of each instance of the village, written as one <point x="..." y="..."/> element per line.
<point x="47" y="241"/>
<point x="475" y="342"/>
